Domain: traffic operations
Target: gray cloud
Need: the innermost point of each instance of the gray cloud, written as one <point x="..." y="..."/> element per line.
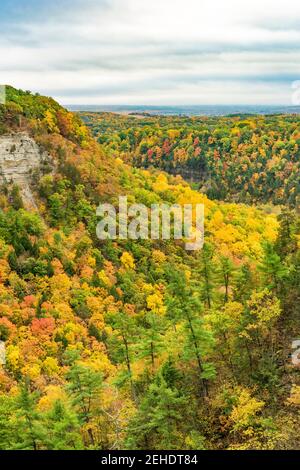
<point x="162" y="51"/>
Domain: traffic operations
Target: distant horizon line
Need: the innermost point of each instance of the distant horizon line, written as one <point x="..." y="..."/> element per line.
<point x="187" y="110"/>
<point x="183" y="105"/>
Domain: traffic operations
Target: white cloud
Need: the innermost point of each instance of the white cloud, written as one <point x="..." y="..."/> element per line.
<point x="160" y="52"/>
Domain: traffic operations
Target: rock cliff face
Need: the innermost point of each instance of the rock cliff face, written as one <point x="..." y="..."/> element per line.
<point x="20" y="156"/>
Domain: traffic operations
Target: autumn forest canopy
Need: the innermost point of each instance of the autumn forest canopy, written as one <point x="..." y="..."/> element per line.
<point x="242" y="158"/>
<point x="131" y="344"/>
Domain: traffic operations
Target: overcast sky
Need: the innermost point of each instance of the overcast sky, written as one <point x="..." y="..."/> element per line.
<point x="152" y="51"/>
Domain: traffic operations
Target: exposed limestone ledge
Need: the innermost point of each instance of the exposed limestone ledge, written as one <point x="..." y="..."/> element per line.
<point x="20" y="156"/>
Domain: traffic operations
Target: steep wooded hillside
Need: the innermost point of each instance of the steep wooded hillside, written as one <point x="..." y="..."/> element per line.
<point x="139" y="344"/>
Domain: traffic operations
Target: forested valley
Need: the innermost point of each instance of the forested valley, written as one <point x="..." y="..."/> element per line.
<point x="241" y="158"/>
<point x="127" y="344"/>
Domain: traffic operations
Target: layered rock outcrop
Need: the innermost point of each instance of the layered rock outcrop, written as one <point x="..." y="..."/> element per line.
<point x="20" y="157"/>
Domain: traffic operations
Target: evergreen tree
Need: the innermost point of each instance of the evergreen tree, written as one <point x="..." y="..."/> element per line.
<point x="207" y="273"/>
<point x="7" y="425"/>
<point x="84" y="387"/>
<point x="226" y="272"/>
<point x="63" y="428"/>
<point x="16" y="198"/>
<point x="124" y="334"/>
<point x="244" y="284"/>
<point x="272" y="268"/>
<point x="159" y="418"/>
<point x="152" y="342"/>
<point x="31" y="432"/>
<point x="286" y="241"/>
<point x="184" y="303"/>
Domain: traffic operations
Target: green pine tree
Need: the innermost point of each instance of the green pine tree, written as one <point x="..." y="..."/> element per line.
<point x="63" y="428"/>
<point x="158" y="420"/>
